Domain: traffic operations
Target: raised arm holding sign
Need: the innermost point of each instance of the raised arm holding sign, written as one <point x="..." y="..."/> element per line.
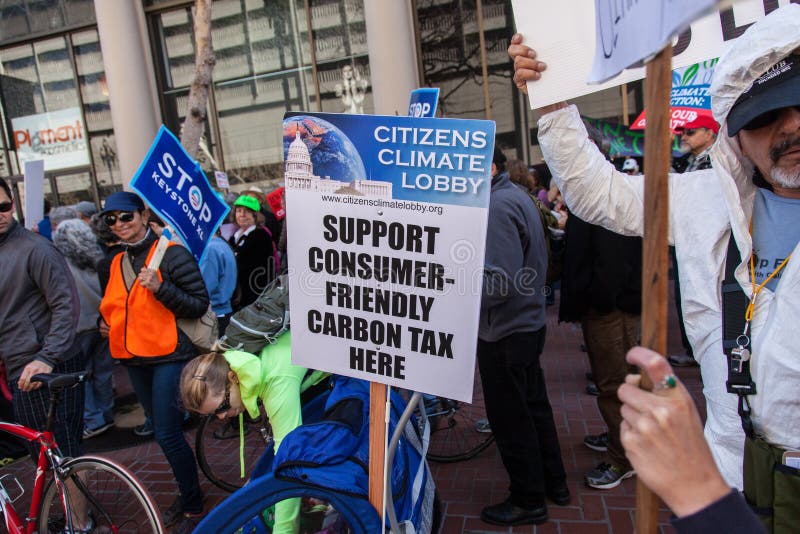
<point x="755" y="96"/>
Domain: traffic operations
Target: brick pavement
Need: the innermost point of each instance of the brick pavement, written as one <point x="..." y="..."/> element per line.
<point x="466" y="487"/>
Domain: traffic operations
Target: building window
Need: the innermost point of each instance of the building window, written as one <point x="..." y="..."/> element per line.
<point x="267" y="56"/>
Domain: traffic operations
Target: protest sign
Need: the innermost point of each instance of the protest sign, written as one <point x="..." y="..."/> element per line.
<point x="58" y="138"/>
<point x="386" y="234"/>
<point x="629" y="32"/>
<point x="177" y="189"/>
<point x="690" y="97"/>
<point x="564" y="38"/>
<point x="34" y="193"/>
<point x="423" y="102"/>
<point x="222" y="179"/>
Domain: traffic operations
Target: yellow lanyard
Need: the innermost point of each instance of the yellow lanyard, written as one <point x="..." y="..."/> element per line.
<point x="748" y="315"/>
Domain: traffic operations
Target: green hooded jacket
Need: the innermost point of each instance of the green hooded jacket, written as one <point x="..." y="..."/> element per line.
<point x="272" y="378"/>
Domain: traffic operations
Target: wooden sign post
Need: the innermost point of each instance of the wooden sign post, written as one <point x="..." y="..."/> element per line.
<point x="658" y="83"/>
<point x="377" y="444"/>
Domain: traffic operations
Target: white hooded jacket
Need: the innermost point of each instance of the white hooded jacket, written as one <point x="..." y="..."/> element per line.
<point x="705" y="206"/>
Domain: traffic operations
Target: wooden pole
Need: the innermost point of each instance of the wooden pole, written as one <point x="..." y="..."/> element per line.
<point x="658" y="83"/>
<point x="487" y="103"/>
<point x="377" y="444"/>
<point x="624" y="93"/>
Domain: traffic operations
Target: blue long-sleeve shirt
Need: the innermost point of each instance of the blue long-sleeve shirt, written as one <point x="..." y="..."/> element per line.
<point x="219" y="273"/>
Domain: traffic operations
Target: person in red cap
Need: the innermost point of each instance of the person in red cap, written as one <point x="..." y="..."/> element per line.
<point x="697" y="137"/>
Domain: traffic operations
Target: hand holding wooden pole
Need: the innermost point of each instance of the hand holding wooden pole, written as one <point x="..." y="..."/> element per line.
<point x="658" y="83"/>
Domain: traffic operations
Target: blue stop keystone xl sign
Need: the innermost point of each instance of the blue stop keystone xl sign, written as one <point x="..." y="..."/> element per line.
<point x="177" y="189"/>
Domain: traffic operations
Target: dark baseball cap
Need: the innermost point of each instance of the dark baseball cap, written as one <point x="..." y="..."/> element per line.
<point x="123" y="201"/>
<point x="777" y="88"/>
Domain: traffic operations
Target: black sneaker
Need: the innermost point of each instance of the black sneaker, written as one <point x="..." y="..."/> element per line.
<point x="598" y="442"/>
<point x="507" y="513"/>
<point x="607" y="476"/>
<point x="187" y="523"/>
<point x="173" y="514"/>
<point x="559" y="493"/>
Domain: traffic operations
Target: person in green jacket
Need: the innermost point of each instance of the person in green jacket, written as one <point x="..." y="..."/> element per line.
<point x="230" y="383"/>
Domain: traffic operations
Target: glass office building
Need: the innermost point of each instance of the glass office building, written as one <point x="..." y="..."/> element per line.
<point x="272" y="56"/>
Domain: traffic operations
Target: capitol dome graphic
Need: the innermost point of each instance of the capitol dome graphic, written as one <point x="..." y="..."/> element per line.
<point x="319" y="157"/>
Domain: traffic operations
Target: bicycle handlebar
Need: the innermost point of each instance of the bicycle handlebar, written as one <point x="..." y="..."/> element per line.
<point x="61" y="381"/>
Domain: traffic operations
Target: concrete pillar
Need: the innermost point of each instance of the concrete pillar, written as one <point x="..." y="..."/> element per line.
<point x="128" y="65"/>
<point x="392" y="54"/>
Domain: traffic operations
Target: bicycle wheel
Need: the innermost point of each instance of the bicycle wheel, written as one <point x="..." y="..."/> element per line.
<point x="115" y="500"/>
<point x="219" y="458"/>
<point x="454" y="436"/>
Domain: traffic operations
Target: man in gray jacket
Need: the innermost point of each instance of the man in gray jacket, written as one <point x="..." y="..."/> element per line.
<point x="38" y="315"/>
<point x="510" y="341"/>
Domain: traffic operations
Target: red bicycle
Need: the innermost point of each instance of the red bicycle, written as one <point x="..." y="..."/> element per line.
<point x="84" y="494"/>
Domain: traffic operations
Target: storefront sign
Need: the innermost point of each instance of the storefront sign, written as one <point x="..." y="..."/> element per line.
<point x="564" y="38"/>
<point x="386" y="218"/>
<point x="176" y="188"/>
<point x="58" y="138"/>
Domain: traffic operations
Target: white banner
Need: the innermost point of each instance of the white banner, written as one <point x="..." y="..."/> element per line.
<point x="58" y="138"/>
<point x="564" y="37"/>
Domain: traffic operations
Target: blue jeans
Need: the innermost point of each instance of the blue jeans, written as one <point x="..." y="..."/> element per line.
<point x="157" y="387"/>
<point x="99" y="405"/>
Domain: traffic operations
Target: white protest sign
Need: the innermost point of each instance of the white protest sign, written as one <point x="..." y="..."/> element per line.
<point x="386" y="225"/>
<point x="628" y="32"/>
<point x="222" y="179"/>
<point x="564" y="37"/>
<point x="58" y="138"/>
<point x="34" y="193"/>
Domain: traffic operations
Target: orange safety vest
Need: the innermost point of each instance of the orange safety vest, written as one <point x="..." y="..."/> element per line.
<point x="140" y="326"/>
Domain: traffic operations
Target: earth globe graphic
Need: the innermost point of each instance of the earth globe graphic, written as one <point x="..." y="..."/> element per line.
<point x="333" y="155"/>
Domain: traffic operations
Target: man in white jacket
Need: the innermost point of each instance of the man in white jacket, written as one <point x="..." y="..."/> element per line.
<point x="752" y="195"/>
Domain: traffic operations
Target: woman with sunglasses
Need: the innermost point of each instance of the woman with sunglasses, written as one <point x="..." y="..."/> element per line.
<point x="228" y="384"/>
<point x="139" y="312"/>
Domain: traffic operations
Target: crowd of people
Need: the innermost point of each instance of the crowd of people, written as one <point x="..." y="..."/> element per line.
<point x="84" y="294"/>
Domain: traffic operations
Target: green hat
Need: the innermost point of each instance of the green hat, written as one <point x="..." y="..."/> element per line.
<point x="248" y="202"/>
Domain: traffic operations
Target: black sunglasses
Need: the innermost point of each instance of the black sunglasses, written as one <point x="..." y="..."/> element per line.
<point x="225" y="405"/>
<point x="5" y="207"/>
<point x="688" y="133"/>
<point x="124" y="216"/>
<point x="765" y="119"/>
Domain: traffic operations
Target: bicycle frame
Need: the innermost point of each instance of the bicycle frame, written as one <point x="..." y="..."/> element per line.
<point x="48" y="455"/>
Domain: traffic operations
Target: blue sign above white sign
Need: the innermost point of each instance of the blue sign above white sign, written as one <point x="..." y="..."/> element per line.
<point x="177" y="189"/>
<point x="423" y="102"/>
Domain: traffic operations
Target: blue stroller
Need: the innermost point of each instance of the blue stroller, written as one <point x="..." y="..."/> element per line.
<point x="326" y="463"/>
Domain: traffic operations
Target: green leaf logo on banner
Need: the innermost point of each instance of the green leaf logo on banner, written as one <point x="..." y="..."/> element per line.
<point x="689" y="74"/>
